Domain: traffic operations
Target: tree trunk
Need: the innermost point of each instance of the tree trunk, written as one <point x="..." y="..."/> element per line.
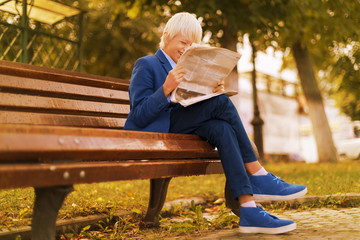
<point x="323" y="137"/>
<point x="229" y="41"/>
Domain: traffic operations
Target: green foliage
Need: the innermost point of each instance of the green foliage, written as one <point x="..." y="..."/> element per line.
<point x="345" y="80"/>
<point x="119" y="32"/>
<point x="192" y="220"/>
<point x="84" y="229"/>
<point x="116" y="35"/>
<point x="326" y="28"/>
<point x="320" y="25"/>
<point x="225" y="220"/>
<point x="124" y="227"/>
<point x="105" y="226"/>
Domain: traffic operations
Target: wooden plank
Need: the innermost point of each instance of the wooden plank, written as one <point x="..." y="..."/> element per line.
<point x="58" y="75"/>
<point x="65" y="90"/>
<point x="9" y="100"/>
<point x="13" y="117"/>
<point x="47" y="143"/>
<point x="22" y="175"/>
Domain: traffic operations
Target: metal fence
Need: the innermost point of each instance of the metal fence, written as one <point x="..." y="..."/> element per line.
<point x="33" y="43"/>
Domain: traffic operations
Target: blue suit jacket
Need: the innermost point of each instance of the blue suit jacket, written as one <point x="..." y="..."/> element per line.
<point x="149" y="108"/>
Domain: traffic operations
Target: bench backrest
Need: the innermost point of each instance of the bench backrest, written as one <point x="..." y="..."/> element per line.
<point x="41" y="96"/>
<point x="45" y="113"/>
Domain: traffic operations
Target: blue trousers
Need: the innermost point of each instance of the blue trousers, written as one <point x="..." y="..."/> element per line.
<point x="217" y="121"/>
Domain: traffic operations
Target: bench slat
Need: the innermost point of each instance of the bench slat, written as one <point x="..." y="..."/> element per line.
<point x="58" y="75"/>
<point x="40" y="87"/>
<point x="12" y="117"/>
<point x="22" y="175"/>
<point x="77" y="107"/>
<point x="45" y="143"/>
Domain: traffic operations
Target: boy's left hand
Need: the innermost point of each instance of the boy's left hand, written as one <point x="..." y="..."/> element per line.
<point x="220" y="88"/>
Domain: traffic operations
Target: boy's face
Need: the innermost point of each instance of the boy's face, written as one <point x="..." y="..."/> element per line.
<point x="176" y="46"/>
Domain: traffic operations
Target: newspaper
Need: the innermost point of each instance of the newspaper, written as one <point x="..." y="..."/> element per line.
<point x="205" y="67"/>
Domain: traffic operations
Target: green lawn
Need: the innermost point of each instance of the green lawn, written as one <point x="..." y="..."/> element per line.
<point x="321" y="179"/>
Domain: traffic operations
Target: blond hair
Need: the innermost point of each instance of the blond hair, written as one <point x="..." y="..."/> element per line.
<point x="184" y="23"/>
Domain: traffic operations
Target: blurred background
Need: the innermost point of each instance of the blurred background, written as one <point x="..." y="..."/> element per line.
<point x="298" y="78"/>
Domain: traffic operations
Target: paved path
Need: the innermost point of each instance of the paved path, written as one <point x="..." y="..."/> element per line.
<point x="343" y="223"/>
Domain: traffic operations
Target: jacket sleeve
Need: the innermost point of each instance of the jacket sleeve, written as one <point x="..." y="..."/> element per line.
<point x="147" y="100"/>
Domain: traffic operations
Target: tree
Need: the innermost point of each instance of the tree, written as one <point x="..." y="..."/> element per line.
<point x="344" y="78"/>
<point x="117" y="33"/>
<point x="313" y="27"/>
<point x="310" y="29"/>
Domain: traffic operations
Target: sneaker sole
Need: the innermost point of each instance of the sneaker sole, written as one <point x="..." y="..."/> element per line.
<point x="277" y="230"/>
<point x="279" y="197"/>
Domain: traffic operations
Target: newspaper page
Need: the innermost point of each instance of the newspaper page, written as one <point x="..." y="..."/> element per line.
<point x="205" y="67"/>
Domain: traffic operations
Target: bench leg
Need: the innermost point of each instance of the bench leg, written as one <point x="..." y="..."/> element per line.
<point x="158" y="190"/>
<point x="48" y="201"/>
<point x="231" y="203"/>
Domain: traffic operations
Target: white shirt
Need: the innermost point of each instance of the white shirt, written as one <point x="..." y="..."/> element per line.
<point x="172" y="63"/>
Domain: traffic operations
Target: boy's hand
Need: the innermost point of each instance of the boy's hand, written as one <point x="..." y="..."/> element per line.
<point x="173" y="79"/>
<point x="220" y="88"/>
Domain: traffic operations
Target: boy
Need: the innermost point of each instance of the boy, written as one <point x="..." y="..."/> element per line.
<point x="216" y="120"/>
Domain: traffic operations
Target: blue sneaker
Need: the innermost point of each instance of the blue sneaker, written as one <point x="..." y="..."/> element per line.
<point x="256" y="220"/>
<point x="270" y="187"/>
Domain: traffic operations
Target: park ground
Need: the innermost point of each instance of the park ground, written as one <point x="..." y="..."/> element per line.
<point x="330" y="209"/>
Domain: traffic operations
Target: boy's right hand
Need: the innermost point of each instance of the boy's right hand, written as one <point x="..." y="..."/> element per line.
<point x="173" y="79"/>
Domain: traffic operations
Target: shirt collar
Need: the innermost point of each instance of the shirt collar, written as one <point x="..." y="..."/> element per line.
<point x="172" y="63"/>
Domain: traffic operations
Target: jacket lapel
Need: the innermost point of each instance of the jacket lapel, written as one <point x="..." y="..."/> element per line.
<point x="164" y="62"/>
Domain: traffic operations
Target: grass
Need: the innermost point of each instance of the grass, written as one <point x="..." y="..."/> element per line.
<point x="320" y="179"/>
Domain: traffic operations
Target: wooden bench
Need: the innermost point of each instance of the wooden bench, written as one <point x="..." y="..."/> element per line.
<point x="59" y="128"/>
